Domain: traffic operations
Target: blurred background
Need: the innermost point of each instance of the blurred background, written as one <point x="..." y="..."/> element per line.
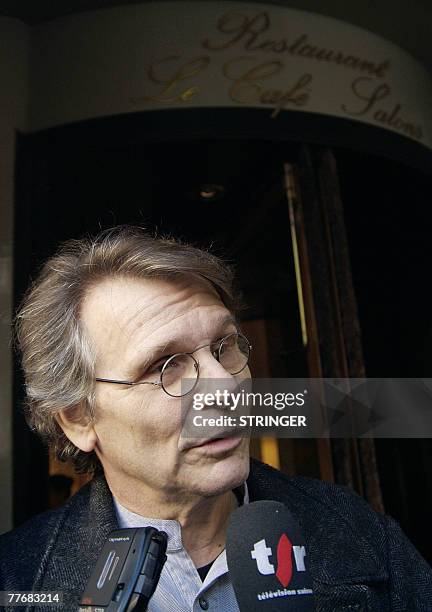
<point x="325" y="213"/>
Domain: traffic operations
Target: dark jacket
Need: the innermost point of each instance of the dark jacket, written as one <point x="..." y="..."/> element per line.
<point x="359" y="560"/>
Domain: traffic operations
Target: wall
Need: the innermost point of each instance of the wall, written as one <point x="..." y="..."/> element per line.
<point x="14" y="50"/>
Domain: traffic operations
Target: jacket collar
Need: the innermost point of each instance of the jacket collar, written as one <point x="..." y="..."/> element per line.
<point x="340" y="529"/>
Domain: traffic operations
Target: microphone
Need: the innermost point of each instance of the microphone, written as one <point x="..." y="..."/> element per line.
<point x="127" y="571"/>
<point x="267" y="559"/>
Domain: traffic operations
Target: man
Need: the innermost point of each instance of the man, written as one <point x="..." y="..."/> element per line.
<point x="108" y="332"/>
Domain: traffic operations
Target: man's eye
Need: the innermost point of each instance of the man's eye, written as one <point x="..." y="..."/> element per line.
<point x="217" y="349"/>
<point x="155" y="368"/>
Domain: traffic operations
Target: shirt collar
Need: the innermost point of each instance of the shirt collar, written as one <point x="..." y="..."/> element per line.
<point x="128" y="519"/>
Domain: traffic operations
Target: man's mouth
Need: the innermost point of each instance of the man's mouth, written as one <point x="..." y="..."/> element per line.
<point x="222" y="441"/>
<point x="220" y="445"/>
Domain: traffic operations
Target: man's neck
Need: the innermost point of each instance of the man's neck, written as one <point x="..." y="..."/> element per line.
<point x="204" y="530"/>
<point x="203" y="520"/>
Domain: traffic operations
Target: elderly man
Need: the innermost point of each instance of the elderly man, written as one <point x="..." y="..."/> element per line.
<point x="107" y="333"/>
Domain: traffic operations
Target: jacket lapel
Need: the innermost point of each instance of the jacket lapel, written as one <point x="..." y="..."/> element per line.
<point x="77" y="541"/>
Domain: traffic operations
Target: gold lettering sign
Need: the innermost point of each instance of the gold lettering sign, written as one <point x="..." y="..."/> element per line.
<point x="247" y="88"/>
<point x="248" y="32"/>
<point x="370" y="94"/>
<point x="172" y="85"/>
<point x="250" y="77"/>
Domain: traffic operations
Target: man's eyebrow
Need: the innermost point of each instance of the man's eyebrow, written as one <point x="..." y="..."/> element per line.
<point x="168" y="346"/>
<point x="226" y="320"/>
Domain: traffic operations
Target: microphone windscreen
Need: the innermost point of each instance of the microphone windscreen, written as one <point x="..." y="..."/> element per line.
<point x="267" y="559"/>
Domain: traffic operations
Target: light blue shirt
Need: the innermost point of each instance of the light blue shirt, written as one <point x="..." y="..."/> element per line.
<point x="180" y="588"/>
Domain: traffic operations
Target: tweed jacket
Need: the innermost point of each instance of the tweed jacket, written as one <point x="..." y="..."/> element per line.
<point x="359" y="560"/>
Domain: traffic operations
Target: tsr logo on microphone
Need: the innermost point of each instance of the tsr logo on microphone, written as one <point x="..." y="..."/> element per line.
<point x="284" y="554"/>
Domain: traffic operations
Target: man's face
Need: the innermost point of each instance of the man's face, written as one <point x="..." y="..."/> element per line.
<point x="130" y="323"/>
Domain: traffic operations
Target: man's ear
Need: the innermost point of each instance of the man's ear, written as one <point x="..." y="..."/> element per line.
<point x="78" y="427"/>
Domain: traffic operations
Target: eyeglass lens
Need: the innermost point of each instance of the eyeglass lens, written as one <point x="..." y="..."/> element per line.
<point x="180" y="372"/>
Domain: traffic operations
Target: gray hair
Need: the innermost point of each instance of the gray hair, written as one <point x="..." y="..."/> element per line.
<point x="56" y="356"/>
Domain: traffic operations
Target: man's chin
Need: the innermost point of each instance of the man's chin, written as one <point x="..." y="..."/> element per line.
<point x="226" y="474"/>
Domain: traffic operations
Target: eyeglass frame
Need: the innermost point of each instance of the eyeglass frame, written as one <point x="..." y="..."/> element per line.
<point x="196" y="365"/>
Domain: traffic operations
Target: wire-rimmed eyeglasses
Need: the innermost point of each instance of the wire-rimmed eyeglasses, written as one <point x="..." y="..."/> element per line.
<point x="179" y="373"/>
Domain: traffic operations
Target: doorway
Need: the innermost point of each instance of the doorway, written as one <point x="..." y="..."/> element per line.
<point x="228" y="196"/>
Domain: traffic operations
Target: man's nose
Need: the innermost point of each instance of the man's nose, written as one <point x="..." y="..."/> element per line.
<point x="214" y="375"/>
<point x="211" y="367"/>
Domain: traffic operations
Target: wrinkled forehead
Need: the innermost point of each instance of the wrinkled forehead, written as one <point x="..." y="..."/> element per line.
<point x="117" y="311"/>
